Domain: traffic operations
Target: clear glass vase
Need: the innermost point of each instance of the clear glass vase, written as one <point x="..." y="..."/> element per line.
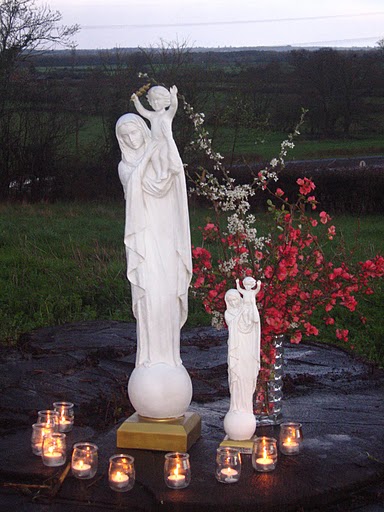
<point x="269" y="392"/>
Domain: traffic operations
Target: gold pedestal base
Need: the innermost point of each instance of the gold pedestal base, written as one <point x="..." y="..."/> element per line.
<point x="170" y="435"/>
<point x="243" y="446"/>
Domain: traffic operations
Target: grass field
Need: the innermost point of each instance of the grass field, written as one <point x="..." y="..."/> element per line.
<point x="305" y="148"/>
<point x="65" y="262"/>
<point x="247" y="146"/>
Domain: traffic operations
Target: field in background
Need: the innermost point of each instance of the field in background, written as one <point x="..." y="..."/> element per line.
<point x="65" y="262"/>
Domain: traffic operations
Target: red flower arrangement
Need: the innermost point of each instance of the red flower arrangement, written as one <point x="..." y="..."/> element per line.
<point x="300" y="284"/>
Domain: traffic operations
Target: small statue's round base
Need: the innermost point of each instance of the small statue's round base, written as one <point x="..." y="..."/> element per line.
<point x="239" y="426"/>
<point x="160" y="391"/>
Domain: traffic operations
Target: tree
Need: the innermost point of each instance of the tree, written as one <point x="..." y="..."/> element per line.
<point x="25" y="28"/>
<point x="332" y="84"/>
<point x="380" y="44"/>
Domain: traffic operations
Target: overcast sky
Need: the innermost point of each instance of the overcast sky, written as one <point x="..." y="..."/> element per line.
<point x="218" y="23"/>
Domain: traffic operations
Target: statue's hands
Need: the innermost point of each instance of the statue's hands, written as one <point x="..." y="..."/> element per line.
<point x="173" y="90"/>
<point x="134" y="97"/>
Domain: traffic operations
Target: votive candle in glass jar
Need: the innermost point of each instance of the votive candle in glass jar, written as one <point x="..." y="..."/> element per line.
<point x="66" y="415"/>
<point x="39" y="430"/>
<point x="177" y="470"/>
<point x="121" y="472"/>
<point x="84" y="460"/>
<point x="228" y="465"/>
<point x="290" y="438"/>
<point x="54" y="451"/>
<point x="49" y="417"/>
<point x="264" y="454"/>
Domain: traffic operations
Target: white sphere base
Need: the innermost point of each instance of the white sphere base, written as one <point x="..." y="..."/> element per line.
<point x="239" y="426"/>
<point x="160" y="391"/>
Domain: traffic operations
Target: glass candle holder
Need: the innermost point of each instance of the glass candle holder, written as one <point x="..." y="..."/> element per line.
<point x="49" y="417"/>
<point x="54" y="451"/>
<point x="177" y="470"/>
<point x="228" y="465"/>
<point x="66" y="415"/>
<point x="290" y="438"/>
<point x="39" y="430"/>
<point x="121" y="473"/>
<point x="84" y="460"/>
<point x="264" y="454"/>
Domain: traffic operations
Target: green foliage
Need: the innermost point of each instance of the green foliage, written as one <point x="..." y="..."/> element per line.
<point x="66" y="262"/>
<point x="60" y="264"/>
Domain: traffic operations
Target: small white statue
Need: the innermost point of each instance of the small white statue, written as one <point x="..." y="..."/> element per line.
<point x="243" y="320"/>
<point x="164" y="104"/>
<point x="159" y="264"/>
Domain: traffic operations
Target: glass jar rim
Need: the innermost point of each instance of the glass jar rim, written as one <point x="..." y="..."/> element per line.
<point x="63" y="404"/>
<point x="90" y="447"/>
<point x="228" y="449"/>
<point x="176" y="455"/>
<point x="295" y="424"/>
<point x="265" y="439"/>
<point x="43" y="425"/>
<point x="117" y="456"/>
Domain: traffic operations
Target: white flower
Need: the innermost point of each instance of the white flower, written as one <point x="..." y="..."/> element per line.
<point x="274" y="162"/>
<point x="217" y="320"/>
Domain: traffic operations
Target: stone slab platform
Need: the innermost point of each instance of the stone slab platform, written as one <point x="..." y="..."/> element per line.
<point x="338" y="399"/>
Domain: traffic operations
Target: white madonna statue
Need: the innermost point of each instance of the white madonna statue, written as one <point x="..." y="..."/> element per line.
<point x="159" y="266"/>
<point x="243" y="321"/>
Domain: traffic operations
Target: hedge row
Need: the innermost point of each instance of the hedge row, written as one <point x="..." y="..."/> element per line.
<point x="357" y="190"/>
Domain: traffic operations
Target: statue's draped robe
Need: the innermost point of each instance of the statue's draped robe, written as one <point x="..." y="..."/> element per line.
<point x="158" y="251"/>
<point x="243" y="356"/>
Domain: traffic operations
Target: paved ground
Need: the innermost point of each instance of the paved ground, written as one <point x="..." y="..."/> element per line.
<point x="338" y="399"/>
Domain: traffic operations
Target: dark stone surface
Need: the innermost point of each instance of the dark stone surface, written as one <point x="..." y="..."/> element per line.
<point x="338" y="399"/>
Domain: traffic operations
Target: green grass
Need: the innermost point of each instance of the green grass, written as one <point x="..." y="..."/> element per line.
<point x="61" y="263"/>
<point x="91" y="133"/>
<point x="65" y="262"/>
<point x="304" y="148"/>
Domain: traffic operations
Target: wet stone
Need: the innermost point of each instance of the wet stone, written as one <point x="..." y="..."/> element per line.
<point x="338" y="399"/>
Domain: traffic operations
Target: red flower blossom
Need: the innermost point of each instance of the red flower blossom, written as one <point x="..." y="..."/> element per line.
<point x="324" y="217"/>
<point x="331" y="232"/>
<point x="342" y="334"/>
<point x="305" y="186"/>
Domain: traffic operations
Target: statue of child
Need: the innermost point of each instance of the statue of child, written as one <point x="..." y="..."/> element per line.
<point x="251" y="313"/>
<point x="164" y="104"/>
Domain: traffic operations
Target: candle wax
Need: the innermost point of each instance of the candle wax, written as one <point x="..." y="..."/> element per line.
<point x="230" y="474"/>
<point x="176" y="480"/>
<point x="290" y="446"/>
<point x="52" y="458"/>
<point x="119" y="479"/>
<point x="264" y="464"/>
<point x="65" y="425"/>
<point x="81" y="468"/>
<point x="265" y="461"/>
